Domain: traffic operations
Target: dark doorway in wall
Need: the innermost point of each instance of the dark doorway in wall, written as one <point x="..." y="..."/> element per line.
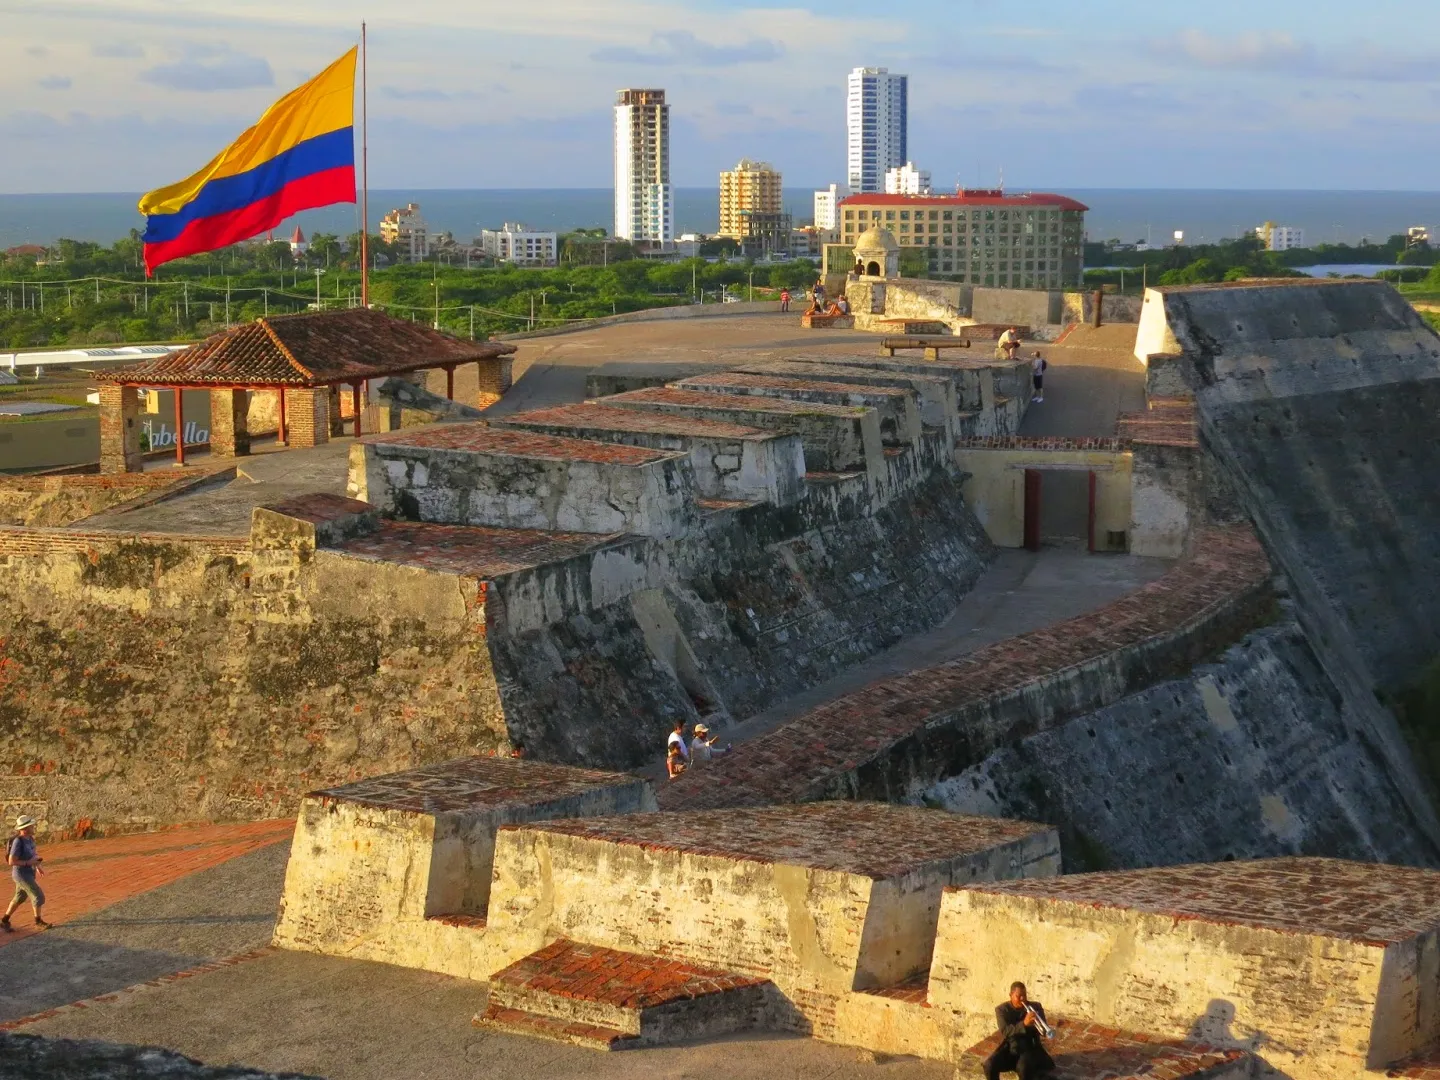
<point x="873" y="269"/>
<point x="1059" y="508"/>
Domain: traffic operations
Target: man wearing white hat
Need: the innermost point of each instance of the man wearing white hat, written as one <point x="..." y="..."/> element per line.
<point x="24" y="863"/>
<point x="702" y="747"/>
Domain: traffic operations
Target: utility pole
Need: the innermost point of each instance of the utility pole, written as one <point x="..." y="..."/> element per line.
<point x="318" y="272"/>
<point x="186" y="287"/>
<point x="265" y="293"/>
<point x="97" y="290"/>
<point x="436" y="286"/>
<point x="692" y="282"/>
<point x="472" y="322"/>
<point x="42" y="298"/>
<point x="532" y="311"/>
<point x="227" y="303"/>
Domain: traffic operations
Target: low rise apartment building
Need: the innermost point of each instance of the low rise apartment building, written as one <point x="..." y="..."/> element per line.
<point x="514" y="243"/>
<point x="406" y="230"/>
<point x="1033" y="240"/>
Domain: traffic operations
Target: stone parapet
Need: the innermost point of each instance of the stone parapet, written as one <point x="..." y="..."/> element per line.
<point x="825" y="899"/>
<point x="471" y="474"/>
<point x="1331" y="964"/>
<point x="730" y="461"/>
<point x="837" y="438"/>
<point x="395" y="867"/>
<point x="897" y="408"/>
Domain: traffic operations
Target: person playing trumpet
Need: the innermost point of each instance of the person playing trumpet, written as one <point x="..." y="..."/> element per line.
<point x="1022" y="1050"/>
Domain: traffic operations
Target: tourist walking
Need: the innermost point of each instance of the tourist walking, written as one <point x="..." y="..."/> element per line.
<point x="702" y="746"/>
<point x="784" y="299"/>
<point x="24" y="863"/>
<point x="1037" y="376"/>
<point x="677" y="738"/>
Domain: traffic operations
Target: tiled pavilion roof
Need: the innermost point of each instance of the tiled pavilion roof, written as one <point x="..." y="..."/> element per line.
<point x="311" y="349"/>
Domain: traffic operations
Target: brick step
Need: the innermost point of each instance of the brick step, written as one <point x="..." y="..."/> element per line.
<point x="914" y="990"/>
<point x="464" y="922"/>
<point x="650" y="999"/>
<point x="1086" y="1051"/>
<point x="519" y="1022"/>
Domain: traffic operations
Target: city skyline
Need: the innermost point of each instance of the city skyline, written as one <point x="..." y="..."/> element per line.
<point x="126" y="94"/>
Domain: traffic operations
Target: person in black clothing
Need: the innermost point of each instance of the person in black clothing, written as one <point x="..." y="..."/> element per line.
<point x="1021" y="1049"/>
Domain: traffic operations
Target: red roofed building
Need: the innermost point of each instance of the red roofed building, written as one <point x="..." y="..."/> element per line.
<point x="988" y="237"/>
<point x="298" y="243"/>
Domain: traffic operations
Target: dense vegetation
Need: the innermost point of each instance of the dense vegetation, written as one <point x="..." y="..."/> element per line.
<point x="1231" y="260"/>
<point x="86" y="294"/>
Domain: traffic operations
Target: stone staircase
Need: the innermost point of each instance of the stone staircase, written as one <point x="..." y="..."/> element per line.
<point x="611" y="1000"/>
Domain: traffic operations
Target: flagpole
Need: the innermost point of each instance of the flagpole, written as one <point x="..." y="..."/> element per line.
<point x="364" y="175"/>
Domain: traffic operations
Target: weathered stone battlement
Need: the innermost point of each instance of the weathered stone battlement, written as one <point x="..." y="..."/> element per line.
<point x="472" y="474"/>
<point x="1329" y="963"/>
<point x="898" y="408"/>
<point x="936" y="394"/>
<point x="730" y="461"/>
<point x="836" y="437"/>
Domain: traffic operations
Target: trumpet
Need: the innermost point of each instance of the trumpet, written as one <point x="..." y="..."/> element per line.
<point x="1046" y="1031"/>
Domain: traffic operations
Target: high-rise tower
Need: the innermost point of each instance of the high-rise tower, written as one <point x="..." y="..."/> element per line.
<point x="876" y="114"/>
<point x="643" y="209"/>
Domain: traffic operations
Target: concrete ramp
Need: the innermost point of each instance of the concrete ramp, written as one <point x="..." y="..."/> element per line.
<point x="1321" y="402"/>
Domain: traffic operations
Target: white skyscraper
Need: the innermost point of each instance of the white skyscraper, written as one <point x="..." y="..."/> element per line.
<point x="876" y="112"/>
<point x="643" y="209"/>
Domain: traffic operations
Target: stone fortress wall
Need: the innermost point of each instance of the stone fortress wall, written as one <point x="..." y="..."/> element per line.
<point x="1208" y="716"/>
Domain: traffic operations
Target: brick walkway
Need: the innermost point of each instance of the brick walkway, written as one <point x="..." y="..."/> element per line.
<point x="82" y="876"/>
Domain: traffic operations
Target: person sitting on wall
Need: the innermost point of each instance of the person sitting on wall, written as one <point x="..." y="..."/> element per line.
<point x="702" y="749"/>
<point x="834" y="308"/>
<point x="843" y="304"/>
<point x="674" y="763"/>
<point x="1021" y="1050"/>
<point x="1008" y="343"/>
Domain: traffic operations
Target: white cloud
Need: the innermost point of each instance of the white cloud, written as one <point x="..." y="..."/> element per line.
<point x="54" y="82"/>
<point x="681" y="47"/>
<point x="206" y="67"/>
<point x="1279" y="53"/>
<point x="116" y="50"/>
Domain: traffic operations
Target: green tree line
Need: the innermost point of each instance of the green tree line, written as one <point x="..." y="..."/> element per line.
<point x="88" y="294"/>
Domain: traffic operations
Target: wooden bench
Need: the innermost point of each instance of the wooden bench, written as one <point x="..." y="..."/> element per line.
<point x="932" y="346"/>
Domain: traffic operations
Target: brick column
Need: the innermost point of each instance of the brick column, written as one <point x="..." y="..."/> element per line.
<point x="119" y="428"/>
<point x="307" y="416"/>
<point x="229" y="423"/>
<point x="493" y="377"/>
<point x="334" y="411"/>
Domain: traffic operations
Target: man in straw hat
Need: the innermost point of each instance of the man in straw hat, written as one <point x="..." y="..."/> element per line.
<point x="24" y="863"/>
<point x="702" y="746"/>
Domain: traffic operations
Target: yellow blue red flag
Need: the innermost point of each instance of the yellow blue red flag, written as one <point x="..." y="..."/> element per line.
<point x="301" y="154"/>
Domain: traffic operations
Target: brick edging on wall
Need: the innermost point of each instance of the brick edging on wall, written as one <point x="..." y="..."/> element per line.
<point x="1108" y="443"/>
<point x="896" y="737"/>
<point x="26" y="540"/>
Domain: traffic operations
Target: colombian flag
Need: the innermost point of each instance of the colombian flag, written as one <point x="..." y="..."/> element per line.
<point x="300" y="155"/>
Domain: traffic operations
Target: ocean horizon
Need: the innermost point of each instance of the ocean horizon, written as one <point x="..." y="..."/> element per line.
<point x="1127" y="214"/>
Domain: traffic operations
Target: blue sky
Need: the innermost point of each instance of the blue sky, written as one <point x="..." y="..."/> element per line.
<point x="116" y="95"/>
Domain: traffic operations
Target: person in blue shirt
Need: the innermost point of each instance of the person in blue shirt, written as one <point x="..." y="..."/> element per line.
<point x="24" y="863"/>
